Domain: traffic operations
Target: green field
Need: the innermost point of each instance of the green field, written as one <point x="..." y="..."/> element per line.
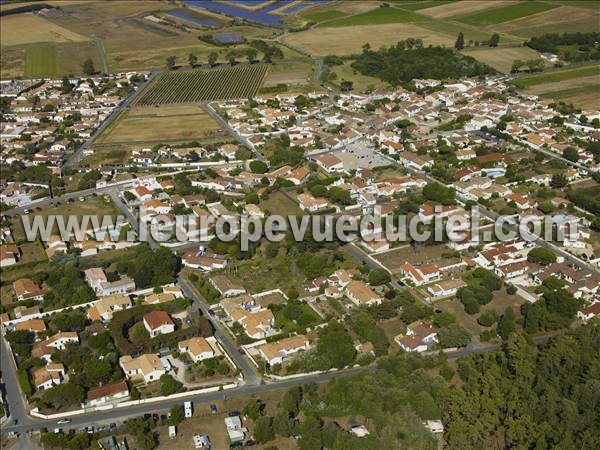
<point x="41" y="60"/>
<point x="559" y="75"/>
<point x="191" y="86"/>
<point x="415" y="6"/>
<point x="324" y="15"/>
<point x="505" y="13"/>
<point x="378" y="16"/>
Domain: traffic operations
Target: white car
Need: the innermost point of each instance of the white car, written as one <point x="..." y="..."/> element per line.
<point x="63" y="421"/>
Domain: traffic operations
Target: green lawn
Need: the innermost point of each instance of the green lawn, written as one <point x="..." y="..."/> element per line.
<point x="324" y="15"/>
<point x="506" y="13"/>
<point x="415" y="6"/>
<point x="378" y="16"/>
<point x="559" y="75"/>
<point x="41" y="60"/>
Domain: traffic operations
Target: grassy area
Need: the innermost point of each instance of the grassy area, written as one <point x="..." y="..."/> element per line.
<point x="12" y="62"/>
<point x="584" y="97"/>
<point x="360" y="82"/>
<point x="501" y="58"/>
<point x="506" y="13"/>
<point x="18" y="29"/>
<point x="160" y="125"/>
<point x="564" y="19"/>
<point x="297" y="72"/>
<point x="324" y="15"/>
<point x="422" y="4"/>
<point x="350" y="39"/>
<point x="557" y="75"/>
<point x="41" y="60"/>
<point x="461" y="8"/>
<point x="381" y="15"/>
<point x="423" y="254"/>
<point x="280" y="204"/>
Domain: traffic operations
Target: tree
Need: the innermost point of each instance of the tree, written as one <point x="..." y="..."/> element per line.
<point x="88" y="67"/>
<point x="212" y="58"/>
<point x="263" y="430"/>
<point x="346" y="86"/>
<point x="177" y="415"/>
<point x="192" y="59"/>
<point x="258" y="166"/>
<point x="541" y="255"/>
<point x="251" y="55"/>
<point x="378" y="277"/>
<point x="516" y="66"/>
<point x="507" y="324"/>
<point x="170" y="61"/>
<point x="453" y="336"/>
<point x="494" y="40"/>
<point x="63" y="395"/>
<point x="335" y="345"/>
<point x="460" y="41"/>
<point x="253" y="409"/>
<point x="231" y="57"/>
<point x="571" y="154"/>
<point x="558" y="180"/>
<point x="169" y="385"/>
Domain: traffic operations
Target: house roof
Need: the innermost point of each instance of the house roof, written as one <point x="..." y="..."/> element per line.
<point x="274" y="349"/>
<point x="196" y="346"/>
<point x="34" y="325"/>
<point x="145" y="363"/>
<point x="25" y="287"/>
<point x="107" y="390"/>
<point x="361" y="291"/>
<point x="156" y="319"/>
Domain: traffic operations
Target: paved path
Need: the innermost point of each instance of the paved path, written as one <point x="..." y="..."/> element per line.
<point x="233" y="132"/>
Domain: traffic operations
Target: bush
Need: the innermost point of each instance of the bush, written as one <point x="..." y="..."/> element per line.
<point x="487" y="319"/>
<point x="541" y="255"/>
<point x="453" y="336"/>
<point x="169" y="385"/>
<point x="378" y="277"/>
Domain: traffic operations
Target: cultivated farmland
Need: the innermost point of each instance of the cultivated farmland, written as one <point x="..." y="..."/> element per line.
<point x="506" y="13"/>
<point x="192" y="86"/>
<point x="501" y="58"/>
<point x="459" y="8"/>
<point x="380" y="15"/>
<point x="349" y="40"/>
<point x="166" y="124"/>
<point x="28" y="29"/>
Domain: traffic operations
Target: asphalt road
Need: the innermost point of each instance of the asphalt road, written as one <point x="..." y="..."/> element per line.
<point x="251" y="377"/>
<point x="223" y="123"/>
<point x="120" y="414"/>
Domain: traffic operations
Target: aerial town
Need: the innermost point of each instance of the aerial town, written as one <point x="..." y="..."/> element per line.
<point x="128" y="320"/>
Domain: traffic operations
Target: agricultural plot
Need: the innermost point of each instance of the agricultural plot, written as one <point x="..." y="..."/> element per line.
<point x="191" y="86"/>
<point x="556" y="76"/>
<point x="383" y="15"/>
<point x="584" y="97"/>
<point x="501" y="58"/>
<point x="20" y="29"/>
<point x="459" y="8"/>
<point x="349" y="40"/>
<point x="505" y="13"/>
<point x="558" y="20"/>
<point x="160" y="125"/>
<point x="40" y="60"/>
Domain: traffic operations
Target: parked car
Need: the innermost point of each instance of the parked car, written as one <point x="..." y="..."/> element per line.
<point x="234" y="414"/>
<point x="213" y="408"/>
<point x="63" y="421"/>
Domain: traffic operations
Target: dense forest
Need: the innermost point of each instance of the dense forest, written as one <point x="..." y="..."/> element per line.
<point x="528" y="398"/>
<point x="401" y="63"/>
